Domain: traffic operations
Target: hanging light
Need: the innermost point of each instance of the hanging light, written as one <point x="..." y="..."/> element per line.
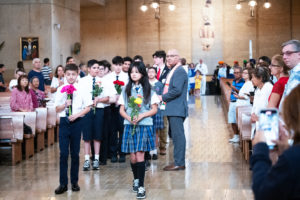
<point x="172" y="7"/>
<point x="252" y="3"/>
<point x="144" y="8"/>
<point x="238" y="6"/>
<point x="154" y="5"/>
<point x="267" y="4"/>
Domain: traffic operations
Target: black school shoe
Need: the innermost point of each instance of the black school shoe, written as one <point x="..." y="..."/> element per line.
<point x="75" y="187"/>
<point x="61" y="189"/>
<point x="114" y="159"/>
<point x="122" y="159"/>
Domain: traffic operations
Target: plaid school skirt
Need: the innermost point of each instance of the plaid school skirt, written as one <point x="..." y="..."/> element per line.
<point x="158" y="121"/>
<point x="142" y="140"/>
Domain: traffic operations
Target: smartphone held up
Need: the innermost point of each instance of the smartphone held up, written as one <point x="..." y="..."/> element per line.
<point x="269" y="123"/>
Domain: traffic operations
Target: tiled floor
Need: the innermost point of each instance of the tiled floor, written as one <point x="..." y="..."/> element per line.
<point x="215" y="168"/>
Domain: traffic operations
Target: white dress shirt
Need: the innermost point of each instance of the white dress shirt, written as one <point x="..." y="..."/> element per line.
<point x="86" y="85"/>
<point x="78" y="102"/>
<point x="122" y="76"/>
<point x="246" y="89"/>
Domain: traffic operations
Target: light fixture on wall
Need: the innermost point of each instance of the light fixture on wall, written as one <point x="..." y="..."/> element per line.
<point x="252" y="4"/>
<point x="156" y="4"/>
<point x="57" y="26"/>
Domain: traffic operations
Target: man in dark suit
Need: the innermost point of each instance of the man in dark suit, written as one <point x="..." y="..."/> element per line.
<point x="159" y="58"/>
<point x="176" y="108"/>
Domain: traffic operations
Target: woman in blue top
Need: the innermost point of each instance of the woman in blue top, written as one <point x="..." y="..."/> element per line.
<point x="144" y="138"/>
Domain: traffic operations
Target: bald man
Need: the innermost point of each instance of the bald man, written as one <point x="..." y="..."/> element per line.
<point x="176" y="109"/>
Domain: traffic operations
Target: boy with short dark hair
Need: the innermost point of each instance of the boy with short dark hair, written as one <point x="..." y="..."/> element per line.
<point x="71" y="107"/>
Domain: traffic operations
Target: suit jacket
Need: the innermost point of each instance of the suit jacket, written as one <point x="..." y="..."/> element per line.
<point x="176" y="98"/>
<point x="164" y="74"/>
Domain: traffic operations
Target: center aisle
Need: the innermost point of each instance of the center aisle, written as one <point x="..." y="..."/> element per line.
<point x="215" y="169"/>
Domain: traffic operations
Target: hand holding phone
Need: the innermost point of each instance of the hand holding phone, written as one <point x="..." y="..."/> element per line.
<point x="269" y="124"/>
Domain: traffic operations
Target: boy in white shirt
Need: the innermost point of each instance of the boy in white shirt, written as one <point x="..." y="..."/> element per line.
<point x="117" y="120"/>
<point x="70" y="110"/>
<point x="93" y="128"/>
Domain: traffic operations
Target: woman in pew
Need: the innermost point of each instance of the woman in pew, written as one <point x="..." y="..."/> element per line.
<point x="281" y="71"/>
<point x="38" y="96"/>
<point x="260" y="79"/>
<point x="282" y="181"/>
<point x="20" y="97"/>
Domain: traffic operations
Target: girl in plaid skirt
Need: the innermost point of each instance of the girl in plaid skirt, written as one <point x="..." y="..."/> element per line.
<point x="143" y="138"/>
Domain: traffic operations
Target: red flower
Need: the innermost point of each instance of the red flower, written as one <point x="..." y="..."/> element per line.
<point x="69" y="89"/>
<point x="117" y="82"/>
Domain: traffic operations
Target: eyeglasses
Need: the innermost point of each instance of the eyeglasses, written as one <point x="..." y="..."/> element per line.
<point x="236" y="72"/>
<point x="171" y="56"/>
<point x="272" y="65"/>
<point x="288" y="53"/>
<point x="101" y="69"/>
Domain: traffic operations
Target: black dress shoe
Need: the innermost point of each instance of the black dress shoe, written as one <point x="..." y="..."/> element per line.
<point x="75" y="187"/>
<point x="114" y="159"/>
<point x="102" y="162"/>
<point x="61" y="189"/>
<point x="122" y="159"/>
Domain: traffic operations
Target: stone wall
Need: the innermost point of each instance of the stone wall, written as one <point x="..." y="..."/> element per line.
<point x="103" y="31"/>
<point x="36" y="18"/>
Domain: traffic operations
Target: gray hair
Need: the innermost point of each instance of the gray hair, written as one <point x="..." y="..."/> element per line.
<point x="239" y="68"/>
<point x="35" y="59"/>
<point x="295" y="43"/>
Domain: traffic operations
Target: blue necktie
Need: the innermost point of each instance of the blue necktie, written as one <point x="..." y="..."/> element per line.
<point x="137" y="89"/>
<point x="94" y="81"/>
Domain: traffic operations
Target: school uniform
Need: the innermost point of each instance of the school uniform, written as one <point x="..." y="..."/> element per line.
<point x="111" y="92"/>
<point x="70" y="134"/>
<point x="158" y="121"/>
<point x="94" y="120"/>
<point x="144" y="137"/>
<point x="117" y="126"/>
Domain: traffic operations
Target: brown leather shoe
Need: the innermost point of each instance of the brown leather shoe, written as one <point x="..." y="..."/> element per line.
<point x="174" y="168"/>
<point x="162" y="152"/>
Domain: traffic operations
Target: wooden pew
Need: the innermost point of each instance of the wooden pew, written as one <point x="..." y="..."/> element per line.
<point x="11" y="135"/>
<point x="41" y="128"/>
<point x="225" y="94"/>
<point x="244" y="126"/>
<point x="51" y="122"/>
<point x="30" y="120"/>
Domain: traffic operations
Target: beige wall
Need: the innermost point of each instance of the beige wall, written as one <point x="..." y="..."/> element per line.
<point x="180" y="29"/>
<point x="36" y="18"/>
<point x="103" y="31"/>
<point x="120" y="28"/>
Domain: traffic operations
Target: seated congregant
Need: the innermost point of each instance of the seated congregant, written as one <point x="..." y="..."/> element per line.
<point x="20" y="97"/>
<point x="37" y="95"/>
<point x="14" y="82"/>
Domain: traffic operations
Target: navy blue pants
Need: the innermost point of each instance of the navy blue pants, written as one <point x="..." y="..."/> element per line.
<point x="69" y="138"/>
<point x="117" y="126"/>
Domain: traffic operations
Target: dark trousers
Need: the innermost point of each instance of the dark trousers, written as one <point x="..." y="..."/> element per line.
<point x="117" y="127"/>
<point x="106" y="130"/>
<point x="69" y="138"/>
<point x="178" y="136"/>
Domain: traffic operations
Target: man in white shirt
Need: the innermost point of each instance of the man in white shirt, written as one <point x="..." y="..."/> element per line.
<point x="117" y="121"/>
<point x="202" y="67"/>
<point x="107" y="129"/>
<point x="93" y="128"/>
